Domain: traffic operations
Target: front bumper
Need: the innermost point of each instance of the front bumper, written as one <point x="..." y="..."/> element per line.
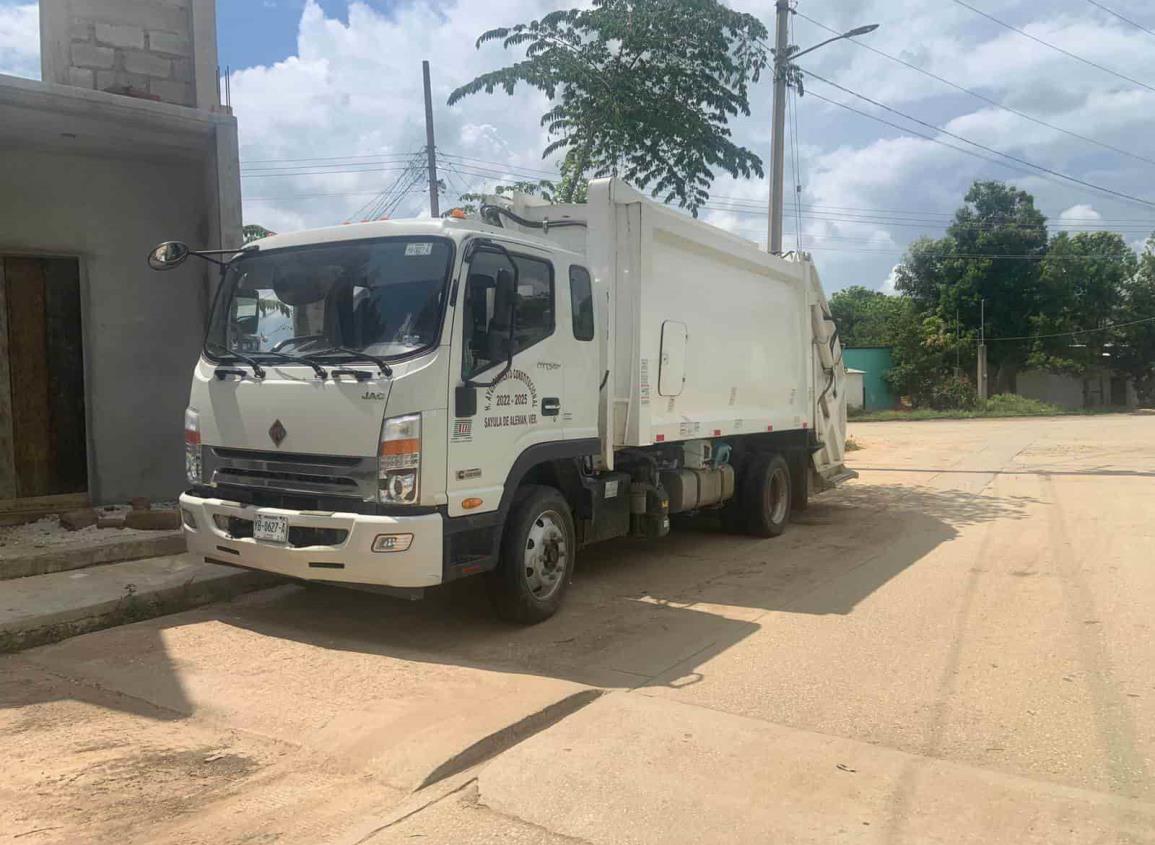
<point x="350" y="561"/>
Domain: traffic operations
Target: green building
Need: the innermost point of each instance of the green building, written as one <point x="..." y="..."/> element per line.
<point x="874" y="362"/>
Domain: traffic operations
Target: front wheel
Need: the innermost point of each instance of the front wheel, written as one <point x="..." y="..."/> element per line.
<point x="537" y="555"/>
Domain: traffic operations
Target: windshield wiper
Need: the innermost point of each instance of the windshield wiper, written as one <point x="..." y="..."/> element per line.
<point x="354" y="355"/>
<point x="321" y="372"/>
<point x="258" y="370"/>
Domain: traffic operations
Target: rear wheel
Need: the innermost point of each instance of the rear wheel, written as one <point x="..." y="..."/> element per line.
<point x="537" y="555"/>
<point x="766" y="496"/>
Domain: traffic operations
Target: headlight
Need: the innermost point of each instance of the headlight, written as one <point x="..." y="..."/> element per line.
<point x="192" y="446"/>
<point x="399" y="460"/>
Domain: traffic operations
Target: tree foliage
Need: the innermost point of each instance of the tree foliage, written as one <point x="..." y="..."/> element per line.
<point x="641" y="89"/>
<point x="1057" y="303"/>
<point x="254" y="232"/>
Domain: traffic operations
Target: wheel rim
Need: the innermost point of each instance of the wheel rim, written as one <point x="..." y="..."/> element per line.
<point x="779" y="495"/>
<point x="546" y="557"/>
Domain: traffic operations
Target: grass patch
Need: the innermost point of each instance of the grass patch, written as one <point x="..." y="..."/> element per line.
<point x="1000" y="405"/>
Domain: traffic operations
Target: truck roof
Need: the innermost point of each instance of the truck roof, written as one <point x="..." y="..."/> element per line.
<point x="446" y="227"/>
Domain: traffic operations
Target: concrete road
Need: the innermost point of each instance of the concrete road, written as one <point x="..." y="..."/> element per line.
<point x="956" y="647"/>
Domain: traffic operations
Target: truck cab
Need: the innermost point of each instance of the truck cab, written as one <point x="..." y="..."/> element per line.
<point x="410" y="376"/>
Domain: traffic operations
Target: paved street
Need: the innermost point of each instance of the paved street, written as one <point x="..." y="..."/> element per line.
<point x="956" y="647"/>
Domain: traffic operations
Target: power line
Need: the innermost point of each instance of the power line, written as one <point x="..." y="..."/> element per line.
<point x="1120" y="17"/>
<point x="1038" y="40"/>
<point x="1022" y="161"/>
<point x="859" y="43"/>
<point x="1078" y="331"/>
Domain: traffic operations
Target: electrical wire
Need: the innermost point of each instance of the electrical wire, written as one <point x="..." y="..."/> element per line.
<point x="1077" y="331"/>
<point x="1042" y="170"/>
<point x="990" y="101"/>
<point x="1120" y="17"/>
<point x="1068" y="53"/>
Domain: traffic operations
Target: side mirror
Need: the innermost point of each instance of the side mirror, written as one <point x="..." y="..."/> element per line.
<point x="168" y="255"/>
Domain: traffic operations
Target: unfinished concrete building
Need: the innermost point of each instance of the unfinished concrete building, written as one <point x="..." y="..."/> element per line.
<point x="124" y="143"/>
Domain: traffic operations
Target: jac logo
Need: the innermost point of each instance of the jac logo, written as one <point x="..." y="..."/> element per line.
<point x="369" y="394"/>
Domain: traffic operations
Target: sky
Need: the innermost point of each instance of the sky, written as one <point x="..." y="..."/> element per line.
<point x="327" y="94"/>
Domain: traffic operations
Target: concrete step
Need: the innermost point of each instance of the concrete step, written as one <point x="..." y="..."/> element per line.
<point x="108" y="546"/>
<point x="46" y="608"/>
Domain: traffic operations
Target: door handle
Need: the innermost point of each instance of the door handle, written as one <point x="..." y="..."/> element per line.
<point x="550" y="406"/>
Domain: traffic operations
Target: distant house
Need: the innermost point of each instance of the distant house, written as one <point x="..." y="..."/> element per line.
<point x="122" y="145"/>
<point x="873" y="362"/>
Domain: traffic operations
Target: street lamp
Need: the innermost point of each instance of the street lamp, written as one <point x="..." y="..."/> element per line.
<point x="778" y="139"/>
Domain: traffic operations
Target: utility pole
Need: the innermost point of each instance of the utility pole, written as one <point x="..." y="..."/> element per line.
<point x="782" y="63"/>
<point x="778" y="133"/>
<point x="430" y="149"/>
<point x="982" y="357"/>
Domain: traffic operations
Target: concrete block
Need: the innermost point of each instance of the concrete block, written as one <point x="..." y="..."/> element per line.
<point x="152" y="520"/>
<point x="90" y="55"/>
<point x="107" y="80"/>
<point x="180" y="93"/>
<point x="182" y="70"/>
<point x="75" y="520"/>
<point x="81" y="77"/>
<point x="111" y="522"/>
<point x="144" y="13"/>
<point x="120" y="35"/>
<point x="169" y="42"/>
<point x="80" y="30"/>
<point x="146" y="64"/>
<point x="140" y="503"/>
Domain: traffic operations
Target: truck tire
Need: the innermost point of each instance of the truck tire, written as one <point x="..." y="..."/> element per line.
<point x="537" y="556"/>
<point x="766" y="496"/>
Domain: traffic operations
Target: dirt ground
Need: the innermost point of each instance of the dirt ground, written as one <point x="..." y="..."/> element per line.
<point x="983" y="596"/>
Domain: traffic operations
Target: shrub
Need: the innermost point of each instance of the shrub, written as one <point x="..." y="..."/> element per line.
<point x="1010" y="405"/>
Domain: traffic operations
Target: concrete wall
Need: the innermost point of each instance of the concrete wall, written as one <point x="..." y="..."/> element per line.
<point x="154" y="49"/>
<point x="1055" y="388"/>
<point x="142" y="330"/>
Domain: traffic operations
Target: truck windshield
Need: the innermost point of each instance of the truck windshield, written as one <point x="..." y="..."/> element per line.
<point x="383" y="297"/>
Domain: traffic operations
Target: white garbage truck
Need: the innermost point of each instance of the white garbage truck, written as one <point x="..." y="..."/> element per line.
<point x="395" y="405"/>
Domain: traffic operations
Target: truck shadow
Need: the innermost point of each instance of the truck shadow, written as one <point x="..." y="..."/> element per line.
<point x="646" y="612"/>
<point x="639" y="613"/>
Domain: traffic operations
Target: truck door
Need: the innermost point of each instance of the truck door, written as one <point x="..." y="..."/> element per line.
<point x="525" y="407"/>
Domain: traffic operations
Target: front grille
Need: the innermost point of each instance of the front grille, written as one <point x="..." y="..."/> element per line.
<point x="319" y="475"/>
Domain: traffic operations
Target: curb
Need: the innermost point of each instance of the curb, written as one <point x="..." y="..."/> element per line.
<point x="197" y="586"/>
<point x="79" y="557"/>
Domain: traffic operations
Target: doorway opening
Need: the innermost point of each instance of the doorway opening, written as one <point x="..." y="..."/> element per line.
<point x="43" y="439"/>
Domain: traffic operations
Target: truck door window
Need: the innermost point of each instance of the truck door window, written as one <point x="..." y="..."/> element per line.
<point x="486" y="329"/>
<point x="581" y="297"/>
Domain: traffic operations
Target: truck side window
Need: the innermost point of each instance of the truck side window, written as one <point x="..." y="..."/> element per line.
<point x="486" y="329"/>
<point x="581" y="297"/>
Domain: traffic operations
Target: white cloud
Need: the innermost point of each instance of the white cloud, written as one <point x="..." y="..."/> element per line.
<point x="890" y="283"/>
<point x="20" y="40"/>
<point x="1081" y="213"/>
<point x="868" y="190"/>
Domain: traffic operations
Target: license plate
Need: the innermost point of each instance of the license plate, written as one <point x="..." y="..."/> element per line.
<point x="274" y="529"/>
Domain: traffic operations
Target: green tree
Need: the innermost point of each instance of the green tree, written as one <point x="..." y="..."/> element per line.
<point x="1134" y="350"/>
<point x="642" y="89"/>
<point x="867" y="317"/>
<point x="254" y="232"/>
<point x="992" y="252"/>
<point x="1083" y="285"/>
